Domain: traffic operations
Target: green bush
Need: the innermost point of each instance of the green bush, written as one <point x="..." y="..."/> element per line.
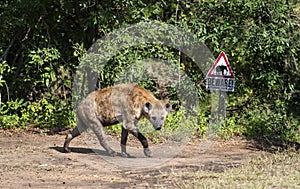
<point x="10" y="117"/>
<point x="42" y="43"/>
<point x="45" y="113"/>
<point x="271" y="124"/>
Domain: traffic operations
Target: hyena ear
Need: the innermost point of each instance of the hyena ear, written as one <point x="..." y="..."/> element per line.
<point x="168" y="107"/>
<point x="147" y="107"/>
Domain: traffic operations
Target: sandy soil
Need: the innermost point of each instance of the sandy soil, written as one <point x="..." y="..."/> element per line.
<point x="36" y="161"/>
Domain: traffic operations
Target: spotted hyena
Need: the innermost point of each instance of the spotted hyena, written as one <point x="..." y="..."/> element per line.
<point x="124" y="103"/>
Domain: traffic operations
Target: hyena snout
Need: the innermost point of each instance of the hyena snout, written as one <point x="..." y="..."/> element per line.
<point x="157" y="123"/>
<point x="159" y="128"/>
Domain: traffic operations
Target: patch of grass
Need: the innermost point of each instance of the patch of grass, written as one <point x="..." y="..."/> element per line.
<point x="279" y="170"/>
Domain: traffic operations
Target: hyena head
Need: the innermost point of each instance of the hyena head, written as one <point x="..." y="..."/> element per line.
<point x="156" y="113"/>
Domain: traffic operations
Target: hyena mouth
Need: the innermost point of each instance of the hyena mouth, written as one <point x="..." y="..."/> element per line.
<point x="158" y="128"/>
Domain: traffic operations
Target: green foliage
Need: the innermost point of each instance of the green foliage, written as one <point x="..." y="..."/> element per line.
<point x="9" y="117"/>
<point x="230" y="128"/>
<point x="271" y="123"/>
<point x="41" y="44"/>
<point x="47" y="112"/>
<point x="50" y="112"/>
<point x="42" y="60"/>
<point x="4" y="67"/>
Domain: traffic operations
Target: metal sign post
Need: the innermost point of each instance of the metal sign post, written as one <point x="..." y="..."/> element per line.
<point x="220" y="77"/>
<point x="222" y="104"/>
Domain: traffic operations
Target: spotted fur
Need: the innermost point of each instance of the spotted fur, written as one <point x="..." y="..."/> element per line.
<point x="126" y="104"/>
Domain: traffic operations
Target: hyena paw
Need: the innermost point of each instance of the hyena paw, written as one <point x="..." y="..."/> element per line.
<point x="112" y="153"/>
<point x="67" y="150"/>
<point x="125" y="154"/>
<point x="147" y="152"/>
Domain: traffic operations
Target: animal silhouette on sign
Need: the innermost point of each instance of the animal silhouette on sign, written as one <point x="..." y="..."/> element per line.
<point x="222" y="69"/>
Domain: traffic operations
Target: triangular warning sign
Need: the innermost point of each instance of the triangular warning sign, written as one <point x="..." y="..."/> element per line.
<point x="221" y="68"/>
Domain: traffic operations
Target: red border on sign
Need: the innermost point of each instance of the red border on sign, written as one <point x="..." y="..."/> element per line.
<point x="222" y="54"/>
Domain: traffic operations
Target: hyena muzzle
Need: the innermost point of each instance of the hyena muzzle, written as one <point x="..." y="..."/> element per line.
<point x="124" y="103"/>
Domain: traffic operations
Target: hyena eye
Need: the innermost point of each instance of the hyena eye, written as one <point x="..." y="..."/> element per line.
<point x="162" y="118"/>
<point x="154" y="118"/>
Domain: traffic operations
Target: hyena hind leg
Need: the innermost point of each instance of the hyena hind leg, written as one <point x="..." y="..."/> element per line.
<point x="74" y="133"/>
<point x="98" y="130"/>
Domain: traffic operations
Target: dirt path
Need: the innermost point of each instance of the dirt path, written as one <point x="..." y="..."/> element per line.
<point x="36" y="161"/>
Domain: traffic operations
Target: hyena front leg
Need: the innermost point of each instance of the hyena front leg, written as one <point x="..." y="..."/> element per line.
<point x="123" y="142"/>
<point x="98" y="130"/>
<point x="131" y="127"/>
<point x="143" y="140"/>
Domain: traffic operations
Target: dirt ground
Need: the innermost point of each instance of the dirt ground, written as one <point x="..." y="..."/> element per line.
<point x="36" y="161"/>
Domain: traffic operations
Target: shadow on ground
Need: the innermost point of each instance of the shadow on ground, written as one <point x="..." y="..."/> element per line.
<point x="85" y="151"/>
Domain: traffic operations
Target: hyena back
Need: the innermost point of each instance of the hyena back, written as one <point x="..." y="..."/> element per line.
<point x="126" y="104"/>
